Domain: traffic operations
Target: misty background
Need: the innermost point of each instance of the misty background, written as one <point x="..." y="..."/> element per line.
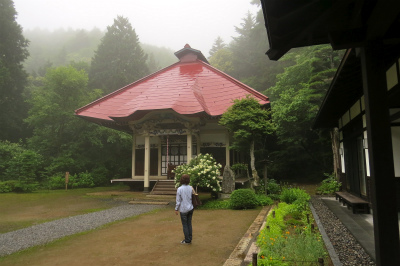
<point x="169" y="24"/>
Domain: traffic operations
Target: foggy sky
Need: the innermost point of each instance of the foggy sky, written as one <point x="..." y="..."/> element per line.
<point x="163" y="23"/>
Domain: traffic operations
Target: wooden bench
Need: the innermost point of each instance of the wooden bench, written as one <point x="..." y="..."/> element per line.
<point x="357" y="204"/>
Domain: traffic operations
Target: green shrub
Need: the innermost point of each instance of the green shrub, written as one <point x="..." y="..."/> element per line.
<point x="18" y="163"/>
<point x="273" y="187"/>
<point x="82" y="180"/>
<point x="294" y="195"/>
<point x="264" y="200"/>
<point x="56" y="181"/>
<point x="329" y="185"/>
<point x="274" y="196"/>
<point x="239" y="167"/>
<point x="204" y="172"/>
<point x="243" y="199"/>
<point x="18" y="186"/>
<point x="7" y="186"/>
<point x="26" y="186"/>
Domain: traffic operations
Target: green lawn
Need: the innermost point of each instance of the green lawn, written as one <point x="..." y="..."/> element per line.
<point x="19" y="210"/>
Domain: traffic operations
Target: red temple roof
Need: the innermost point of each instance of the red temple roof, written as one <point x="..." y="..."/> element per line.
<point x="190" y="86"/>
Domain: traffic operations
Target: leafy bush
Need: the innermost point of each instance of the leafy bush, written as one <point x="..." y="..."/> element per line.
<point x="294" y="195"/>
<point x="82" y="180"/>
<point x="7" y="186"/>
<point x="56" y="181"/>
<point x="18" y="163"/>
<point x="274" y="196"/>
<point x="239" y="167"/>
<point x="204" y="172"/>
<point x="243" y="199"/>
<point x="26" y="186"/>
<point x="273" y="187"/>
<point x="18" y="186"/>
<point x="329" y="185"/>
<point x="264" y="200"/>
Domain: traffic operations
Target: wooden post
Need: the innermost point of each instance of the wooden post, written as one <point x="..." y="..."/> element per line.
<point x="254" y="262"/>
<point x="146" y="164"/>
<point x="159" y="154"/>
<point x="133" y="155"/>
<point x="383" y="185"/>
<point x="320" y="261"/>
<point x="66" y="180"/>
<point x="227" y="150"/>
<point x="189" y="147"/>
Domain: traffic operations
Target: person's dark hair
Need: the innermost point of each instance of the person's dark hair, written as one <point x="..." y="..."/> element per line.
<point x="185" y="179"/>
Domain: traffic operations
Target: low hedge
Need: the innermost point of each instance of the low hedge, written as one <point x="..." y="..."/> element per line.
<point x="243" y="199"/>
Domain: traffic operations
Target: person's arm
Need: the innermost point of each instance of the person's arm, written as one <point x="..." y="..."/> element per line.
<point x="178" y="201"/>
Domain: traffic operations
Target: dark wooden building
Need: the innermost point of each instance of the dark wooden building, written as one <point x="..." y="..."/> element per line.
<point x="363" y="100"/>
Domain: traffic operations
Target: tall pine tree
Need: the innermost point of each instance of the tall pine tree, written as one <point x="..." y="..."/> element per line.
<point x="119" y="59"/>
<point x="13" y="78"/>
<point x="218" y="45"/>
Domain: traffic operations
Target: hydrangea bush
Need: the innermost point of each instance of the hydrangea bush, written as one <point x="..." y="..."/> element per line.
<point x="204" y="172"/>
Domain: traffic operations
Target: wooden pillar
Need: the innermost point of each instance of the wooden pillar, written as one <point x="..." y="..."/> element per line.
<point x="383" y="187"/>
<point x="189" y="146"/>
<point x="146" y="163"/>
<point x="198" y="143"/>
<point x="133" y="155"/>
<point x="227" y="150"/>
<point x="159" y="156"/>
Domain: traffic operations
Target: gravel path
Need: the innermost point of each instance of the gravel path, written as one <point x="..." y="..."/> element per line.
<point x="44" y="233"/>
<point x="347" y="248"/>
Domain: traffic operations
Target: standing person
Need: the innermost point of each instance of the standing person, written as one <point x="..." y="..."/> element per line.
<point x="185" y="207"/>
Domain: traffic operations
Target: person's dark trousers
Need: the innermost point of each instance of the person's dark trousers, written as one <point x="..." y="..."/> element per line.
<point x="186" y="219"/>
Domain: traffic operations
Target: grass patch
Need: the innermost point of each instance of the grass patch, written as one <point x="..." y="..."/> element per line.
<point x="20" y="210"/>
<point x="216" y="205"/>
<point x="15" y="257"/>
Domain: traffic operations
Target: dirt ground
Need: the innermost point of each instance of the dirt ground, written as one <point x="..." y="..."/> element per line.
<point x="150" y="239"/>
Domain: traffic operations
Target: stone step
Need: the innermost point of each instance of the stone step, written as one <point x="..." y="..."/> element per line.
<point x="165" y="189"/>
<point x="149" y="202"/>
<point x="161" y="196"/>
<point x="163" y="193"/>
<point x="166" y="186"/>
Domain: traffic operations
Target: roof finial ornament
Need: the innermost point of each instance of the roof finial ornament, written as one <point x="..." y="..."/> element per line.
<point x="187" y="46"/>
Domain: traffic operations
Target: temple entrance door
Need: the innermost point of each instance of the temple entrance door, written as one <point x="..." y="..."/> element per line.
<point x="174" y="152"/>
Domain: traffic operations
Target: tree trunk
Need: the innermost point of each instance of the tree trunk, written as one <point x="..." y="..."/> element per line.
<point x="256" y="178"/>
<point x="335" y="151"/>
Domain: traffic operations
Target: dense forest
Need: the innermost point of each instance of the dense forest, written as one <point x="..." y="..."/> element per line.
<point x="45" y="76"/>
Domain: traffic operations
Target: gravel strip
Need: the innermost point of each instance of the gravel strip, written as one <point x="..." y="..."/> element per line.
<point x="47" y="232"/>
<point x="346" y="246"/>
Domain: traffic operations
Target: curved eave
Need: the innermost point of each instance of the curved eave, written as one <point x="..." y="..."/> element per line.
<point x="345" y="89"/>
<point x="110" y="95"/>
<point x="107" y="123"/>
